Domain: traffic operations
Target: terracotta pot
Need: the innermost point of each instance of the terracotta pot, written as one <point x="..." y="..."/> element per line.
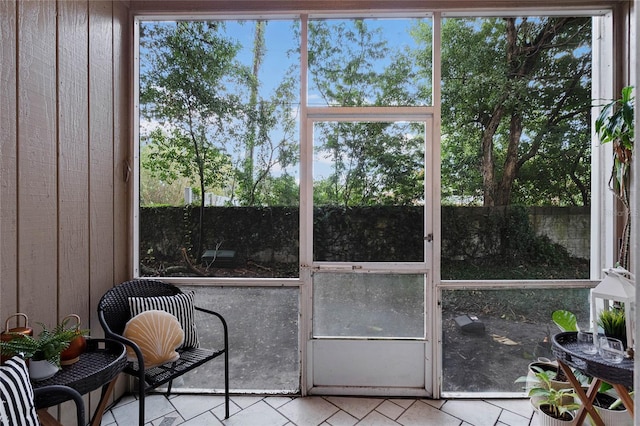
<point x="72" y="354"/>
<point x="76" y="347"/>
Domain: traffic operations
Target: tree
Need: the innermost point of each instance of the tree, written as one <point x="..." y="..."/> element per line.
<point x="372" y="162"/>
<point x="255" y="118"/>
<point x="184" y="84"/>
<point x="268" y="139"/>
<point x="270" y="142"/>
<point x="154" y="190"/>
<point x="516" y="102"/>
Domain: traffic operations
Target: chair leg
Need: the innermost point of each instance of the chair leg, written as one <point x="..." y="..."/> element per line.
<point x="226" y="383"/>
<point x="169" y="388"/>
<point x="141" y="404"/>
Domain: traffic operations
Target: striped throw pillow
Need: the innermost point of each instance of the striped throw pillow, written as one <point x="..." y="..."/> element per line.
<point x="181" y="306"/>
<point x="17" y="407"/>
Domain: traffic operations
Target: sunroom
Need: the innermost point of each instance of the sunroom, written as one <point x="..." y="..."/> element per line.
<point x="382" y="198"/>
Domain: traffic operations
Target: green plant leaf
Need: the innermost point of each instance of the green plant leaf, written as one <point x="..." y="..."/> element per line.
<point x="565" y="320"/>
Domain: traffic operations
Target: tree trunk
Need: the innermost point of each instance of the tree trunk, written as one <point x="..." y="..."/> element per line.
<point x="511" y="166"/>
<point x="488" y="161"/>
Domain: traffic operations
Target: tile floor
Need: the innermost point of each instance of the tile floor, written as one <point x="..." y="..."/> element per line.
<point x="208" y="410"/>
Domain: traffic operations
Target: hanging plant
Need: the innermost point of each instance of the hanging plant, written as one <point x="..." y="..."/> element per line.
<point x="615" y="124"/>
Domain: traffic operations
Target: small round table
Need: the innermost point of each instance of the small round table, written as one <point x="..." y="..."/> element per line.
<point x="97" y="367"/>
<point x="569" y="354"/>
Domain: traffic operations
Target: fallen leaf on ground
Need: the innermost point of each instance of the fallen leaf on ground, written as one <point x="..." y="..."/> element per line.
<point x="504" y="340"/>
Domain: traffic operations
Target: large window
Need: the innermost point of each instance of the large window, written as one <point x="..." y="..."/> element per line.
<point x="271" y="148"/>
<point x="516" y="147"/>
<point x="516" y="191"/>
<point x="219" y="142"/>
<point x="219" y="148"/>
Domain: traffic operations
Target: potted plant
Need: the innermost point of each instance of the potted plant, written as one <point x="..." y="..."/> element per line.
<point x="610" y="408"/>
<point x="555" y="406"/>
<point x="78" y="345"/>
<point x="615" y="124"/>
<point x="555" y="374"/>
<point x="613" y="323"/>
<point x="43" y="351"/>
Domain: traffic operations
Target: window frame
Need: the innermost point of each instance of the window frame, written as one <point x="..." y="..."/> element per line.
<point x="602" y="226"/>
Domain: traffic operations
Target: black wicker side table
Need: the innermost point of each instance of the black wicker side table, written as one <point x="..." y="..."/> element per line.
<point x="569" y="354"/>
<point x="98" y="366"/>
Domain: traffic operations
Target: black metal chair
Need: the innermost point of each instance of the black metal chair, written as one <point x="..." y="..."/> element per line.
<point x="114" y="313"/>
<point x="64" y="393"/>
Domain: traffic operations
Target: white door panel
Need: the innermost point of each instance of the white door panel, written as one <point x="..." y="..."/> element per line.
<point x="371" y="363"/>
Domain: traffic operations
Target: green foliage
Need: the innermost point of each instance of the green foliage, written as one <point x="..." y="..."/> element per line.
<point x="515" y="114"/>
<point x="499" y="234"/>
<point x="560" y="401"/>
<point x="188" y="66"/>
<point x="520" y="86"/>
<point x="565" y="320"/>
<point x="372" y="163"/>
<point x="613" y="322"/>
<point x="46" y="346"/>
<point x="385" y="168"/>
<point x="615" y="124"/>
<point x="209" y="124"/>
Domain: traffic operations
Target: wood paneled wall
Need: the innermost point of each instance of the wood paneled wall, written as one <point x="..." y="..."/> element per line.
<point x="65" y="137"/>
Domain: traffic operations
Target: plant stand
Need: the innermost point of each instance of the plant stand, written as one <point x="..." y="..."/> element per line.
<point x="569" y="354"/>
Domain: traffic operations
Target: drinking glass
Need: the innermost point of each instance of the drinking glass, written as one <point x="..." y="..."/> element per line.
<point x="611" y="350"/>
<point x="586" y="342"/>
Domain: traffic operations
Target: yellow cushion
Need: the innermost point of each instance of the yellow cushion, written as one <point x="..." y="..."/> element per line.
<point x="158" y="334"/>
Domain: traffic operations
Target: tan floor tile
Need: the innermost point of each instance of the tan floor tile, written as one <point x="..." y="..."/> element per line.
<point x="421" y="414"/>
<point x="437" y="403"/>
<point x="277" y="401"/>
<point x="521" y="406"/>
<point x="476" y="412"/>
<point x="204" y="419"/>
<point x="377" y="419"/>
<point x="258" y="414"/>
<point x="156" y="406"/>
<point x="308" y="411"/>
<point x="390" y="409"/>
<point x="513" y="419"/>
<point x="403" y="402"/>
<point x="190" y="406"/>
<point x="245" y="401"/>
<point x="196" y="410"/>
<point x="219" y="411"/>
<point x="171" y="419"/>
<point x="342" y="418"/>
<point x="357" y="407"/>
